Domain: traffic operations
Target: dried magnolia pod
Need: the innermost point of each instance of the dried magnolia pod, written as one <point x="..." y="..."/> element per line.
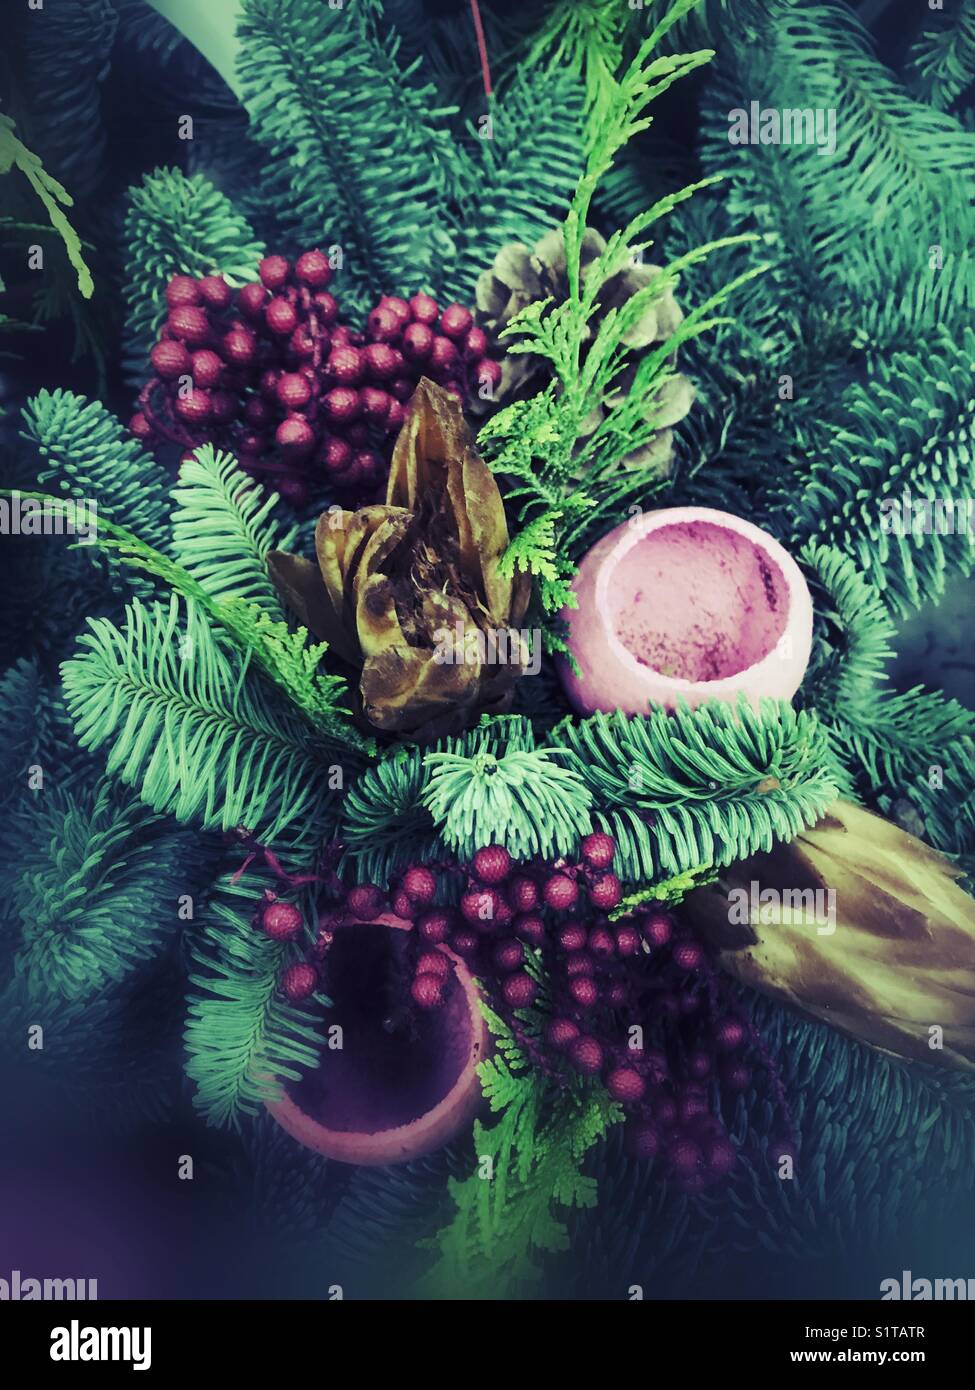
<point x="858" y="924"/>
<point x="520" y="276"/>
<point x="411" y="590"/>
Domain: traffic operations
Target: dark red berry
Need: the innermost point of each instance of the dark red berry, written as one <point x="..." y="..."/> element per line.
<point x="215" y="292"/>
<point x="488" y="373"/>
<point x="190" y="324"/>
<point x="345" y="365"/>
<point x="341" y="404"/>
<point x="251" y="300"/>
<point x="312" y="269"/>
<point x="627" y="941"/>
<point x="578" y="963"/>
<point x="375" y="404"/>
<point x="207" y="368"/>
<point x="685" y="1155"/>
<point x="327" y="310"/>
<point x="295" y="436"/>
<point x="584" y="991"/>
<point x="492" y="864"/>
<point x="419" y="884"/>
<point x="281" y="317"/>
<point x="427" y="991"/>
<point x="170" y="359"/>
<point x="605" y="892"/>
<point x="182" y="290"/>
<point x="561" y="1032"/>
<point x="598" y="850"/>
<point x="434" y="926"/>
<point x="523" y="894"/>
<point x="433" y="963"/>
<point x="586" y="1055"/>
<point x="729" y="1034"/>
<point x="194" y="407"/>
<point x="643" y="1139"/>
<point x="688" y="955"/>
<point x="404" y="906"/>
<point x="560" y="892"/>
<point x="456" y="321"/>
<point x="395" y="417"/>
<point x="625" y="1084"/>
<point x="465" y="943"/>
<point x="657" y="928"/>
<point x="381" y="362"/>
<point x="257" y="412"/>
<point x="293" y="390"/>
<point x="398" y="307"/>
<point x="530" y="927"/>
<point x="281" y="921"/>
<point x="365" y="901"/>
<point x="601" y="943"/>
<point x="475" y="343"/>
<point x="382" y="326"/>
<point x="402" y="388"/>
<point x="444" y="358"/>
<point x="424" y="309"/>
<point x="240" y="346"/>
<point x="572" y="936"/>
<point x="224" y="407"/>
<point x="509" y="955"/>
<point x="479" y="907"/>
<point x="736" y="1076"/>
<point x="519" y="990"/>
<point x="274" y="271"/>
<point x="720" y="1156"/>
<point x="299" y="981"/>
<point x="140" y="426"/>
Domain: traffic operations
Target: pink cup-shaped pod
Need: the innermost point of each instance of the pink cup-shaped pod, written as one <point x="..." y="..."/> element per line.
<point x="398" y="1088"/>
<point x="686" y="603"/>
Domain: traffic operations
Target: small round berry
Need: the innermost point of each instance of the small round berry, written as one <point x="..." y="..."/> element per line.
<point x="523" y="894"/>
<point x="561" y="1033"/>
<point x="382" y="326"/>
<point x="617" y="994"/>
<point x="365" y="901"/>
<point x="269" y="384"/>
<point x="375" y="404"/>
<point x="424" y="309"/>
<point x="475" y="343"/>
<point x="240" y="346"/>
<point x="605" y="892"/>
<point x="519" y="990"/>
<point x="625" y="1084"/>
<point x="491" y="864"/>
<point x="190" y="324"/>
<point x="488" y="374"/>
<point x="327" y="310"/>
<point x="336" y="454"/>
<point x="381" y="361"/>
<point x="170" y="359"/>
<point x="358" y="434"/>
<point x="251" y="300"/>
<point x="215" y="292"/>
<point x="433" y="963"/>
<point x="736" y="1076"/>
<point x="584" y="991"/>
<point x="299" y="981"/>
<point x="479" y="907"/>
<point x="665" y="1111"/>
<point x="281" y="317"/>
<point x="293" y="390"/>
<point x="720" y="1156"/>
<point x="395" y="417"/>
<point x="643" y="1140"/>
<point x="601" y="943"/>
<point x="257" y="412"/>
<point x="182" y="290"/>
<point x="444" y="358"/>
<point x="729" y="1034"/>
<point x="140" y="426"/>
<point x="456" y="321"/>
<point x="312" y="269"/>
<point x="342" y="404"/>
<point x="657" y="928"/>
<point x="404" y="906"/>
<point x="345" y="365"/>
<point x="561" y="892"/>
<point x="417" y="342"/>
<point x="207" y="368"/>
<point x="427" y="991"/>
<point x="578" y="963"/>
<point x="295" y="436"/>
<point x="398" y="307"/>
<point x="598" y="850"/>
<point x="224" y="407"/>
<point x="688" y="955"/>
<point x="627" y="941"/>
<point x="530" y="927"/>
<point x="434" y="926"/>
<point x="465" y="943"/>
<point x="586" y="1055"/>
<point x="274" y="272"/>
<point x="194" y="408"/>
<point x="402" y="388"/>
<point x="509" y="955"/>
<point x="281" y="921"/>
<point x="420" y="885"/>
<point x="692" y="1107"/>
<point x="572" y="936"/>
<point x="685" y="1155"/>
<point x="699" y="1064"/>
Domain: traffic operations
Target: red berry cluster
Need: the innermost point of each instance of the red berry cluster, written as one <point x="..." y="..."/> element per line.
<point x="270" y="373"/>
<point x="283" y="921"/>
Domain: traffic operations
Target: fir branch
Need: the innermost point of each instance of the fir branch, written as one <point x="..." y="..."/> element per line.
<point x="942" y="57"/>
<point x="184" y="729"/>
<point x="243" y="1039"/>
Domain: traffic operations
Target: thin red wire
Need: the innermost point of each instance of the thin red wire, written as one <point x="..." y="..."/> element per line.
<point x="482" y="49"/>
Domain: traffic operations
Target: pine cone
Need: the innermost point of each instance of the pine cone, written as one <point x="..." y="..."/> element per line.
<point x="520" y="276"/>
<point x="891" y="959"/>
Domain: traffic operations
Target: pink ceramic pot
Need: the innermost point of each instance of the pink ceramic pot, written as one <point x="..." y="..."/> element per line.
<point x="686" y="603"/>
<point x="391" y="1093"/>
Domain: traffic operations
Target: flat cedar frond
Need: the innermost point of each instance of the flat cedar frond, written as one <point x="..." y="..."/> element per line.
<point x="14" y="154"/>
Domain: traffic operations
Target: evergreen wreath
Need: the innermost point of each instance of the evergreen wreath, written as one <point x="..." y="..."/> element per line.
<point x="257" y="721"/>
